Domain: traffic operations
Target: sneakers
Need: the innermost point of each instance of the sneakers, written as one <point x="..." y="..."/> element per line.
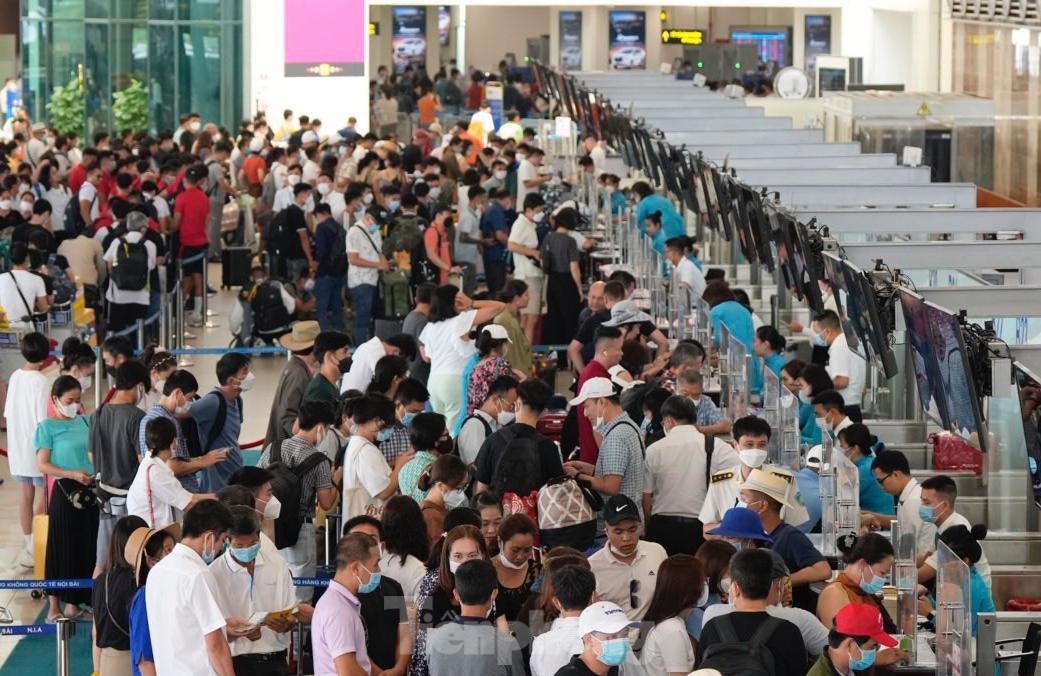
<point x="26" y="559"/>
<point x="195" y="321"/>
<point x="210" y="291"/>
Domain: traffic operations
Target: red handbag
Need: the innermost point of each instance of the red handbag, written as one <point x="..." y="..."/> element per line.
<point x="951" y="453"/>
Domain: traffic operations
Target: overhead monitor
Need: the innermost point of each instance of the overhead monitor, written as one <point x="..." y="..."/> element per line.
<point x="773" y="43"/>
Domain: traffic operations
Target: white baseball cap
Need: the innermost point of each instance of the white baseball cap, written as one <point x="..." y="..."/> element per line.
<point x="815" y="457"/>
<point x="309" y="137"/>
<point x="603" y="617"/>
<point x="496" y="332"/>
<point x="595" y="388"/>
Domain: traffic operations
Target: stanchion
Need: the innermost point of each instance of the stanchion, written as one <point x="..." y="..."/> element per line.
<point x="299" y="649"/>
<point x="65" y="630"/>
<point x="179" y="331"/>
<point x="99" y="372"/>
<point x="141" y="335"/>
<point x="206" y="322"/>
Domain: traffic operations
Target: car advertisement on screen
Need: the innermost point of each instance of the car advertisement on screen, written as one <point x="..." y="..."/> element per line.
<point x="409" y="40"/>
<point x="444" y="25"/>
<point x="571" y="40"/>
<point x="628" y="48"/>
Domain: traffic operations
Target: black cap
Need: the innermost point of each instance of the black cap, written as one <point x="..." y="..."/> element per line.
<point x="620" y="508"/>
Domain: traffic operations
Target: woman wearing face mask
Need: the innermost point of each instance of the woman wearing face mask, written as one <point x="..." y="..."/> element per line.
<point x="856" y="442"/>
<point x="155" y="491"/>
<point x="368" y="480"/>
<point x="444" y="483"/>
<point x="145" y="548"/>
<point x="492" y="343"/>
<point x="714" y="557"/>
<point x="868" y="558"/>
<point x="806" y="381"/>
<point x="515" y="565"/>
<point x="61" y="452"/>
<point x="434" y="603"/>
<point x="78" y="361"/>
<point x="488" y="506"/>
<point x="430" y="441"/>
<point x="405" y="544"/>
<point x="160" y="365"/>
<point x="680" y="590"/>
<point x="113" y="592"/>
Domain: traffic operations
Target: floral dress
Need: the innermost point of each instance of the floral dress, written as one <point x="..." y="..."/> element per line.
<point x="484" y="374"/>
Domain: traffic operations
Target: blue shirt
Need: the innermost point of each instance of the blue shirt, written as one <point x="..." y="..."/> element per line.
<point x="809" y="483"/>
<point x="671" y="222"/>
<point x="775" y="363"/>
<point x="872" y="497"/>
<point x="618" y="203"/>
<point x="794" y="547"/>
<point x="738" y="321"/>
<point x="189" y="481"/>
<point x="68" y="441"/>
<point x="658" y="242"/>
<point x="809" y="432"/>
<point x="492" y="221"/>
<point x="140" y="637"/>
<point x="204" y="412"/>
<point x="981" y="598"/>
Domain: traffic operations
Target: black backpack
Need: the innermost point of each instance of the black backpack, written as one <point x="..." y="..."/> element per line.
<point x="130" y="272"/>
<point x="74" y="223"/>
<point x="287" y="486"/>
<point x="269" y="313"/>
<point x="193" y="441"/>
<point x="519" y="468"/>
<point x="337" y="261"/>
<point x="734" y="657"/>
<point x="278" y="233"/>
<point x="423" y="270"/>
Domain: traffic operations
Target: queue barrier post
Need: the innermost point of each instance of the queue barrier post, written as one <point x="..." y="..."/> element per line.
<point x="141" y="335"/>
<point x="207" y="322"/>
<point x="299" y="648"/>
<point x="99" y="372"/>
<point x="65" y="630"/>
<point x="180" y="332"/>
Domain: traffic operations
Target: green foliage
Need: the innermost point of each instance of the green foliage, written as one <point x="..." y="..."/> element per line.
<point x="130" y="107"/>
<point x="67" y="108"/>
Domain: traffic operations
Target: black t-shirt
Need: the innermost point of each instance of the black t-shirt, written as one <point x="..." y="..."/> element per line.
<point x="22" y="231"/>
<point x="295" y="221"/>
<point x="576" y="667"/>
<point x="113" y="592"/>
<point x="383" y="611"/>
<point x="587" y="330"/>
<point x="114" y="443"/>
<point x="491" y="451"/>
<point x="786" y="643"/>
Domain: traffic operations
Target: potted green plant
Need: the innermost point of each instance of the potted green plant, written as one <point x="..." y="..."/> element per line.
<point x="67" y="107"/>
<point x="130" y="107"/>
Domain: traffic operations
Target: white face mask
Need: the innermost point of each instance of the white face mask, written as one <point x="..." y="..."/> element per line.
<point x="500" y="175"/>
<point x="510" y="564"/>
<point x="323" y="188"/>
<point x="506" y="417"/>
<point x="25" y="207"/>
<point x="5" y="205"/>
<point x="247" y="383"/>
<point x="85" y="382"/>
<point x="703" y="599"/>
<point x="435" y="192"/>
<point x="293" y="179"/>
<point x="194" y="126"/>
<point x="455" y="498"/>
<point x="367" y="199"/>
<point x="67" y="410"/>
<point x="159" y="385"/>
<point x="273" y="508"/>
<point x="752" y="457"/>
<point x="453" y="566"/>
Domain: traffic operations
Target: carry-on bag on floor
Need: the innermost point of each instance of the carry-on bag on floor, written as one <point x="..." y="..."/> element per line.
<point x="234" y="266"/>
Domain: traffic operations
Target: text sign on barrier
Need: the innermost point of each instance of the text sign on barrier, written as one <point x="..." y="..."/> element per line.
<point x="311" y="581"/>
<point x="28" y="630"/>
<point x="85" y="583"/>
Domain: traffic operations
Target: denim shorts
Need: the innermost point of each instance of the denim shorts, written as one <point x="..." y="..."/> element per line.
<point x="34" y="480"/>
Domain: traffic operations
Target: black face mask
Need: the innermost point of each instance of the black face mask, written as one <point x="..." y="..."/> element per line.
<point x="444" y="445"/>
<point x="345" y="365"/>
<point x="110" y="371"/>
<point x="449" y="222"/>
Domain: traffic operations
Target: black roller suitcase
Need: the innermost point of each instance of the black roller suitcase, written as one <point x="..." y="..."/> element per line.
<point x="234" y="266"/>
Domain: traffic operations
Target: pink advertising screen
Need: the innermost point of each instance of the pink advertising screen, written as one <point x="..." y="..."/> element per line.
<point x="325" y="38"/>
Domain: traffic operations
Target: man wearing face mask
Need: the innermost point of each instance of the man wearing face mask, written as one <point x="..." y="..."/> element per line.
<point x="257" y="480"/>
<point x="181" y="605"/>
<point x="368" y="480"/>
<point x="175" y="404"/>
<point x="218" y="418"/>
<point x="676" y="473"/>
<point x="331" y="353"/>
<point x="498" y="410"/>
<point x="830" y="405"/>
<point x="365" y="255"/>
<point x="113" y="446"/>
<point x="247" y="581"/>
<point x="853" y="642"/>
<point x="751" y="439"/>
<point x="468" y="237"/>
<point x="316" y="483"/>
<point x="523" y="243"/>
<point x="847" y="370"/>
<point x="495" y="231"/>
<point x="939" y="494"/>
<point x="603" y="630"/>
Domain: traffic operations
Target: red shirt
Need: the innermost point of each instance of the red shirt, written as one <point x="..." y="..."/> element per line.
<point x="588" y="450"/>
<point x="474" y="95"/>
<point x="252" y="168"/>
<point x="194" y="207"/>
<point x="108" y="185"/>
<point x="77" y="177"/>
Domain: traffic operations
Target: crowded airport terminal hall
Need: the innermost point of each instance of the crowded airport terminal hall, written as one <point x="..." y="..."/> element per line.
<point x="517" y="339"/>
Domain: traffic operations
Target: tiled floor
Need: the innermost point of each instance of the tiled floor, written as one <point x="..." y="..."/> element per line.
<point x="257" y="403"/>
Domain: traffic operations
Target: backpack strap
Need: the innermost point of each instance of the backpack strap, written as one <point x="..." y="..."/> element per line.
<point x="484" y="423"/>
<point x="628" y="423"/>
<point x="313" y="460"/>
<point x="725" y="629"/>
<point x="710" y="446"/>
<point x="765" y="632"/>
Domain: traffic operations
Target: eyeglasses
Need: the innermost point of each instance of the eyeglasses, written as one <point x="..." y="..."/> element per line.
<point x="882" y="481"/>
<point x="634" y="589"/>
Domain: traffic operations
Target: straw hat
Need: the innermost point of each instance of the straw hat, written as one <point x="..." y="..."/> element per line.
<point x="768" y="484"/>
<point x="134" y="551"/>
<point x="301" y="337"/>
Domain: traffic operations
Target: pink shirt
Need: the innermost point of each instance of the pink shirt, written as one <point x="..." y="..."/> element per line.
<point x="337" y="629"/>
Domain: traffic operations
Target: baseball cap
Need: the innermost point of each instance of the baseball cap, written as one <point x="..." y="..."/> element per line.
<point x="815" y="457"/>
<point x="594" y="388"/>
<point x="861" y="619"/>
<point x="769" y="484"/>
<point x="743" y="523"/>
<point x="497" y="332"/>
<point x="603" y="617"/>
<point x="619" y="508"/>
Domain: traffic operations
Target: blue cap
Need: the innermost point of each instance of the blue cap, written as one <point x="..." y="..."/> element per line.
<point x="741" y="522"/>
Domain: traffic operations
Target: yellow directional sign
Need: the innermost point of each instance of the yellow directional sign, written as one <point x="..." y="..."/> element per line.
<point x="682" y="36"/>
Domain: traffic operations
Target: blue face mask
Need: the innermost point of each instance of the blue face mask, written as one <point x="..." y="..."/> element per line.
<point x="394" y="205"/>
<point x="372" y="584"/>
<point x="866" y="661"/>
<point x="384" y="434"/>
<point x="819" y="341"/>
<point x="927" y="513"/>
<point x="407" y="419"/>
<point x="874" y="587"/>
<point x="615" y="650"/>
<point x="245" y="554"/>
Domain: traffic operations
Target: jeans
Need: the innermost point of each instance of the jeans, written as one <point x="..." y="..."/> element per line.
<point x="495" y="275"/>
<point x="302" y="560"/>
<point x="363" y="299"/>
<point x="329" y="292"/>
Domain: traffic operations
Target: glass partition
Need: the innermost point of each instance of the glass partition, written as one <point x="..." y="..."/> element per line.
<point x="953" y="624"/>
<point x="739" y="381"/>
<point x="790" y="455"/>
<point x="772" y="413"/>
<point x="847" y="494"/>
<point x="1008" y="478"/>
<point x="905" y="579"/>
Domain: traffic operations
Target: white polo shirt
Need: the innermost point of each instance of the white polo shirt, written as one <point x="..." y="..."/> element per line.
<point x="688" y="273"/>
<point x="907" y="516"/>
<point x="674" y="470"/>
<point x="956" y="519"/>
<point x="523" y="232"/>
<point x="552" y="650"/>
<point x="181" y="612"/>
<point x="614" y="578"/>
<point x="363" y="365"/>
<point x="240" y="594"/>
<point x="724" y="492"/>
<point x="843" y="363"/>
<point x="155" y="493"/>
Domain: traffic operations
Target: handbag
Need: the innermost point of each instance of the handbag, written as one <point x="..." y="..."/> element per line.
<point x="565" y="502"/>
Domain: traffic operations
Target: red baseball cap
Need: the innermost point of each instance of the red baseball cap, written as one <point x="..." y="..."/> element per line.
<point x="860" y="619"/>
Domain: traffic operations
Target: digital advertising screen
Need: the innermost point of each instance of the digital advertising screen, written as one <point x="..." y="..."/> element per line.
<point x="923" y="357"/>
<point x="571" y="40"/>
<point x="628" y="47"/>
<point x="773" y="44"/>
<point x="958" y="387"/>
<point x="817" y="41"/>
<point x="333" y="47"/>
<point x="409" y="39"/>
<point x="444" y="25"/>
